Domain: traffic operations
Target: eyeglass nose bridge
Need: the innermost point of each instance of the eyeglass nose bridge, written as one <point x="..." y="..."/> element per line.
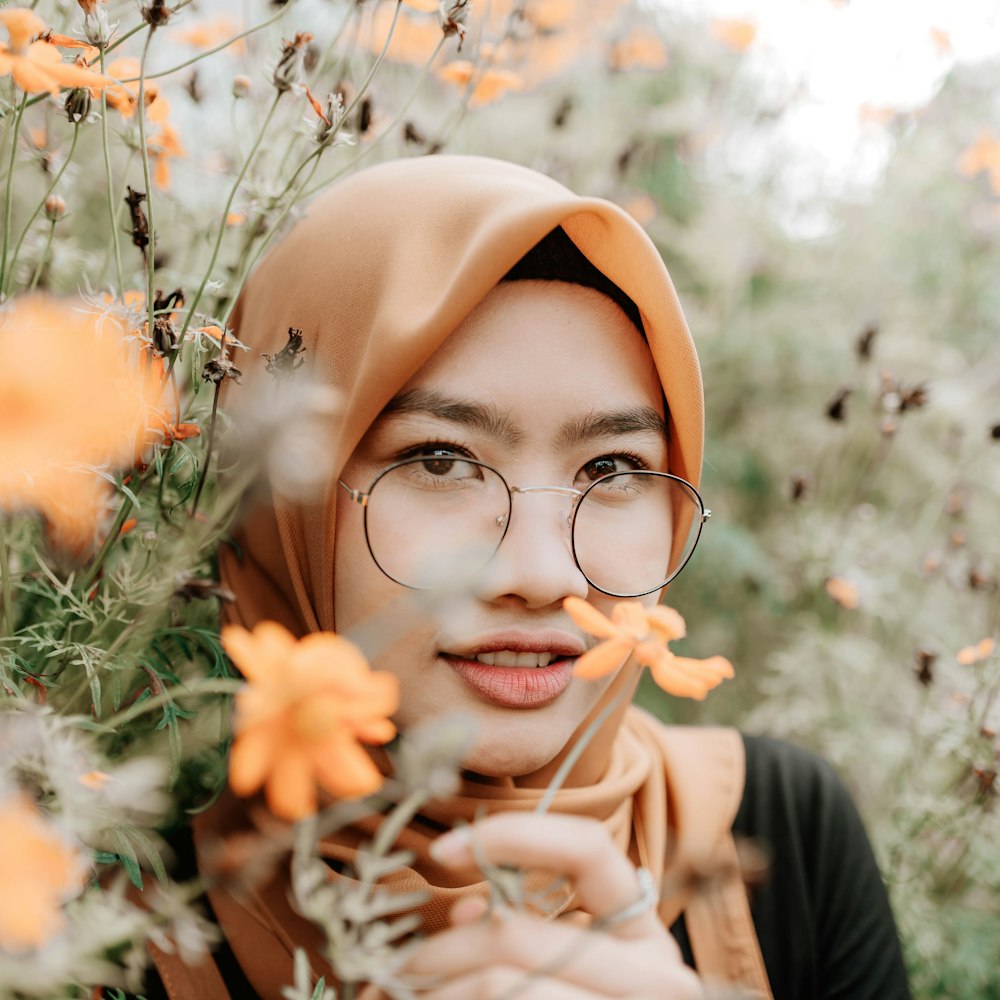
<point x="563" y="491"/>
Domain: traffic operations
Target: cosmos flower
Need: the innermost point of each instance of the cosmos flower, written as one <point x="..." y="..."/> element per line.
<point x="308" y="706"/>
<point x="644" y="632"/>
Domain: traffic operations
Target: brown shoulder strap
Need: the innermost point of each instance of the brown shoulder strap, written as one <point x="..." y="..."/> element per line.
<point x="707" y="769"/>
<point x="188" y="982"/>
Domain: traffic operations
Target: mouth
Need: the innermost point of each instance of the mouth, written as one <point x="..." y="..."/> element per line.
<point x="512" y="679"/>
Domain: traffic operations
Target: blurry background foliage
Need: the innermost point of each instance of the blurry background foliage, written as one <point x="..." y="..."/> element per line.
<point x="849" y="343"/>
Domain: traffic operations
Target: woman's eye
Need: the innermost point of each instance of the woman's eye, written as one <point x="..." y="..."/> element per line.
<point x="608" y="464"/>
<point x="438" y="462"/>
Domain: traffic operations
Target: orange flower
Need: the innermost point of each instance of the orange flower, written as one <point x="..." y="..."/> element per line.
<point x="70" y="397"/>
<point x="640" y="49"/>
<point x="942" y="41"/>
<point x="644" y="632"/>
<point x="37" y="66"/>
<point x="301" y="719"/>
<point x="975" y="654"/>
<point x="843" y="592"/>
<point x="213" y="32"/>
<point x="983" y="156"/>
<point x="424" y="6"/>
<point x="39" y="871"/>
<point x="491" y="84"/>
<point x="735" y="34"/>
<point x="413" y="41"/>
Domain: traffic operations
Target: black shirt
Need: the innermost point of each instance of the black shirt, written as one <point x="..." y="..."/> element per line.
<point x="822" y="915"/>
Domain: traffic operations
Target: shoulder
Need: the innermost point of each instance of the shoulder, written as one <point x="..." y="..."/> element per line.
<point x="825" y="894"/>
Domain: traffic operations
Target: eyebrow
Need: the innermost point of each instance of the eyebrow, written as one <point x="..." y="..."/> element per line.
<point x="476" y="416"/>
<point x="489" y="421"/>
<point x="612" y="424"/>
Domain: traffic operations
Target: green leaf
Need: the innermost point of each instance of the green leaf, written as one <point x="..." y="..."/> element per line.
<point x="128" y="858"/>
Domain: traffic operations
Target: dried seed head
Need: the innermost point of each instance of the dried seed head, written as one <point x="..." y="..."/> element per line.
<point x="800" y="485"/>
<point x="837" y="408"/>
<point x="454" y="15"/>
<point x="866" y="340"/>
<point x="221" y="368"/>
<point x="96" y="28"/>
<point x="241" y="85"/>
<point x="55" y="208"/>
<point x="289" y="69"/>
<point x="149" y="540"/>
<point x="289" y="359"/>
<point x="156" y="14"/>
<point x="77" y="104"/>
<point x="981" y="579"/>
<point x="925" y="667"/>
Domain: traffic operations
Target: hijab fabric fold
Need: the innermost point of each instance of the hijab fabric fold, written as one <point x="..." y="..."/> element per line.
<point x="377" y="274"/>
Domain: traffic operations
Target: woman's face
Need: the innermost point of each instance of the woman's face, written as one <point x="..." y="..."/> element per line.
<point x="550" y="384"/>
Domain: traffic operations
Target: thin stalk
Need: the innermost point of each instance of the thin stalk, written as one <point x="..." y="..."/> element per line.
<point x="424" y="71"/>
<point x="38" y="208"/>
<point x="225" y="214"/>
<point x="209" y="52"/>
<point x="313" y="157"/>
<point x="211" y="436"/>
<point x="9" y="195"/>
<point x="396" y="822"/>
<point x="216" y="685"/>
<point x="6" y="591"/>
<point x="45" y="254"/>
<point x="144" y="152"/>
<point x="574" y="755"/>
<point x="110" y="539"/>
<point x="112" y="214"/>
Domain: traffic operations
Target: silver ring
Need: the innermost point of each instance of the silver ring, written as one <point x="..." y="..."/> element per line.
<point x="648" y="898"/>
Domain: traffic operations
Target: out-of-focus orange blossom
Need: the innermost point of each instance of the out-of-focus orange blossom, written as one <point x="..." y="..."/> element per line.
<point x="977" y="653"/>
<point x="300" y="722"/>
<point x="38" y="66"/>
<point x="641" y="48"/>
<point x="71" y="396"/>
<point x="982" y="156"/>
<point x="39" y="871"/>
<point x="490" y="84"/>
<point x="214" y="31"/>
<point x="735" y="33"/>
<point x="843" y="591"/>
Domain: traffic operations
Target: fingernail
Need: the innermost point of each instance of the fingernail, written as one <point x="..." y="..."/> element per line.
<point x="451" y="848"/>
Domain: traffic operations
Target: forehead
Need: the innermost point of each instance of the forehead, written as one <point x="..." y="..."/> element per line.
<point x="544" y="340"/>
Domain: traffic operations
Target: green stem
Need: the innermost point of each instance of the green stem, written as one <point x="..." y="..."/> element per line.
<point x="43" y="258"/>
<point x="425" y="70"/>
<point x="209" y="52"/>
<point x="574" y="755"/>
<point x="211" y="436"/>
<point x="110" y="539"/>
<point x="217" y="685"/>
<point x="6" y="591"/>
<point x="112" y="213"/>
<point x="225" y="214"/>
<point x="9" y="195"/>
<point x="41" y="204"/>
<point x="313" y="157"/>
<point x="144" y="152"/>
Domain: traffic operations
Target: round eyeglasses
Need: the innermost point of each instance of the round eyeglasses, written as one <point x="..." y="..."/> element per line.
<point x="432" y="515"/>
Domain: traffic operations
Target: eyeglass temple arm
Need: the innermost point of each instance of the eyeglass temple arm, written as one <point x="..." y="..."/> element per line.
<point x="356" y="495"/>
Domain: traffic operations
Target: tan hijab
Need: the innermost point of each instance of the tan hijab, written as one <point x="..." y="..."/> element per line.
<point x="378" y="273"/>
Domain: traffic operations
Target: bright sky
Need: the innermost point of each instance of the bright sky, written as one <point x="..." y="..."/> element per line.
<point x="824" y="61"/>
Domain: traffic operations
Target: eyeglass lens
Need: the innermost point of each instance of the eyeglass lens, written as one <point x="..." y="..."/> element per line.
<point x="430" y="518"/>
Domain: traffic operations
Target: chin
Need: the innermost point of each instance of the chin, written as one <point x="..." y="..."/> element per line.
<point x="512" y="752"/>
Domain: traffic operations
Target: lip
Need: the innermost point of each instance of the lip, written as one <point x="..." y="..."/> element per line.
<point x="562" y="644"/>
<point x="513" y="687"/>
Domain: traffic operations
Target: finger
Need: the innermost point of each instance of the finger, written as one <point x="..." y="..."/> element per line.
<point x="605" y="880"/>
<point x="556" y="948"/>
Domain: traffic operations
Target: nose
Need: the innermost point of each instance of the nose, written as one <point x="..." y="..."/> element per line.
<point x="535" y="563"/>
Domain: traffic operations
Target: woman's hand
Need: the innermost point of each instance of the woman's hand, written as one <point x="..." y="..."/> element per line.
<point x="519" y="955"/>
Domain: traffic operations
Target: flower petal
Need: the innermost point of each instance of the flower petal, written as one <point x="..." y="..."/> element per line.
<point x="603" y="659"/>
<point x="291" y="788"/>
<point x="252" y="757"/>
<point x="667" y="621"/>
<point x="588" y="618"/>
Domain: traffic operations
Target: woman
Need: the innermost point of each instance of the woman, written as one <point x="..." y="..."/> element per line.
<point x="486" y="325"/>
